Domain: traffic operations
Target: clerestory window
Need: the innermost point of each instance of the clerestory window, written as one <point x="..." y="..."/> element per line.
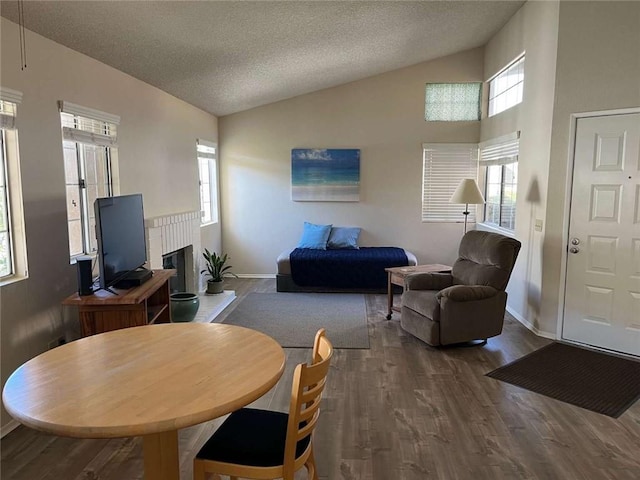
<point x="507" y="87"/>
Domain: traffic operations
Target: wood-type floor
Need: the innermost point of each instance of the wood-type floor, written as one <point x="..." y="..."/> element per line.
<point x="399" y="411"/>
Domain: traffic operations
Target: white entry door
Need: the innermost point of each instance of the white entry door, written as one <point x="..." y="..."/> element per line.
<point x="602" y="292"/>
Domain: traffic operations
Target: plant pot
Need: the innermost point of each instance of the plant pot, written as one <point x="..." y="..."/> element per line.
<point x="184" y="306"/>
<point x="215" y="287"/>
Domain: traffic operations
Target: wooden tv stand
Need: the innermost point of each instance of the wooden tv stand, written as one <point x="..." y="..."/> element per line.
<point x="103" y="311"/>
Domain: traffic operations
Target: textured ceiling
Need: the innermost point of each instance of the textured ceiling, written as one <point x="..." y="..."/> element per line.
<point x="226" y="57"/>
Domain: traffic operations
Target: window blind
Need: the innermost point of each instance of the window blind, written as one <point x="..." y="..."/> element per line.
<point x="206" y="149"/>
<point x="80" y="111"/>
<point x="444" y="167"/>
<point x="9" y="101"/>
<point x="501" y="150"/>
<point x="86" y="125"/>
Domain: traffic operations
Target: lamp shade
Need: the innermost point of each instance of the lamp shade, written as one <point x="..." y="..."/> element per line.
<point x="467" y="192"/>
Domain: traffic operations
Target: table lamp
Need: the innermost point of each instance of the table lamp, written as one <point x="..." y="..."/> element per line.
<point x="467" y="193"/>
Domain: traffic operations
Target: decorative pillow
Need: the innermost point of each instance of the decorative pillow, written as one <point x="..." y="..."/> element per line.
<point x="344" y="237"/>
<point x="314" y="236"/>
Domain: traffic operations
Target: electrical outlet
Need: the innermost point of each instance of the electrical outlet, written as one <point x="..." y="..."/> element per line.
<point x="538" y="225"/>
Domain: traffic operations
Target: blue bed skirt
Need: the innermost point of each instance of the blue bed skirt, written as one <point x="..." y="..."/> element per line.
<point x="361" y="268"/>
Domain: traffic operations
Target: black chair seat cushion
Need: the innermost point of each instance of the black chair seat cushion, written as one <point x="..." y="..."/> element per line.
<point x="251" y="437"/>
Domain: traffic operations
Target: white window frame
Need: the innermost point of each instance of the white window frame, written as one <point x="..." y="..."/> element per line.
<point x="429" y="111"/>
<point x="87" y="128"/>
<point x="7" y="263"/>
<point x="444" y="166"/>
<point x="12" y="193"/>
<point x="506" y="88"/>
<point x="499" y="152"/>
<point x="207" y="154"/>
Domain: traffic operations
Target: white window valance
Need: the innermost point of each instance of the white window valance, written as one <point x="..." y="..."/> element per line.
<point x="9" y="95"/>
<point x="501" y="150"/>
<point x="92" y="113"/>
<point x="9" y="101"/>
<point x="206" y="149"/>
<point x="87" y="125"/>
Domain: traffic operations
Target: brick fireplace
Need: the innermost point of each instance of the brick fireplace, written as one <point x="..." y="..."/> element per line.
<point x="170" y="233"/>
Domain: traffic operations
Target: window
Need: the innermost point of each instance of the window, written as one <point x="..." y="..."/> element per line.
<point x="505" y="89"/>
<point x="444" y="167"/>
<point x="6" y="249"/>
<point x="499" y="158"/>
<point x="208" y="181"/>
<point x="90" y="161"/>
<point x="13" y="261"/>
<point x="452" y="102"/>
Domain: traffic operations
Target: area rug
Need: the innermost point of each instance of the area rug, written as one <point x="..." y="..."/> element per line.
<point x="293" y="319"/>
<point x="592" y="380"/>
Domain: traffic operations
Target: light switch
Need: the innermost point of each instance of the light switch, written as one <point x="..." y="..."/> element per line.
<point x="538" y="227"/>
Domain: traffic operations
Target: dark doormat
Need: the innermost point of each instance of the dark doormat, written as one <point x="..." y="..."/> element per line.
<point x="596" y="381"/>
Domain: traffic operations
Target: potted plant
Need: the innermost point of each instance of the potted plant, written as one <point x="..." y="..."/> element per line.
<point x="216" y="270"/>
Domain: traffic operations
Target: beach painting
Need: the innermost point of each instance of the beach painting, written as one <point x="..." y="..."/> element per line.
<point x="325" y="175"/>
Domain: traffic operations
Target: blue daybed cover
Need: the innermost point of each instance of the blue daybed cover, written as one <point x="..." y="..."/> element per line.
<point x="345" y="268"/>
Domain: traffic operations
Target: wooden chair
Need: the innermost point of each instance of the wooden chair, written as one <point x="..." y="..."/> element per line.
<point x="261" y="444"/>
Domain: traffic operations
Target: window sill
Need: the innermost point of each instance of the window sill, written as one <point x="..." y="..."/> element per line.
<point x="492" y="228"/>
<point x="208" y="224"/>
<point x="12" y="279"/>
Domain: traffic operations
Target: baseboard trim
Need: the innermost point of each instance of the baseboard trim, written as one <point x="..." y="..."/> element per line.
<point x="530" y="326"/>
<point x="256" y="275"/>
<point x="8" y="428"/>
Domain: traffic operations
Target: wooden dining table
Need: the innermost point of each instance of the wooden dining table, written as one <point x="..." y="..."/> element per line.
<point x="147" y="381"/>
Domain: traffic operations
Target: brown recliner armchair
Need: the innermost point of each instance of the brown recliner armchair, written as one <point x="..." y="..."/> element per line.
<point x="467" y="303"/>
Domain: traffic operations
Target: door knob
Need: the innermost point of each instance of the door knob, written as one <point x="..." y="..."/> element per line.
<point x="574" y="250"/>
<point x="575" y="241"/>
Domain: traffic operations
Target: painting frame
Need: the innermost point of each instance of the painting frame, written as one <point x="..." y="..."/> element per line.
<point x="325" y="174"/>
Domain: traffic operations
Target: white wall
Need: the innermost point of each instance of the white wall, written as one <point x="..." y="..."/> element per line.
<point x="383" y="116"/>
<point x="534" y="30"/>
<point x="580" y="56"/>
<point x="157" y="147"/>
<point x="598" y="68"/>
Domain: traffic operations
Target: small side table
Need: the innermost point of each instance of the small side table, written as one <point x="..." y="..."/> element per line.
<point x="397" y="275"/>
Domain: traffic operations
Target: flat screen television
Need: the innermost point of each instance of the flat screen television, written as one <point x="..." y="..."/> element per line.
<point x="120" y="233"/>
